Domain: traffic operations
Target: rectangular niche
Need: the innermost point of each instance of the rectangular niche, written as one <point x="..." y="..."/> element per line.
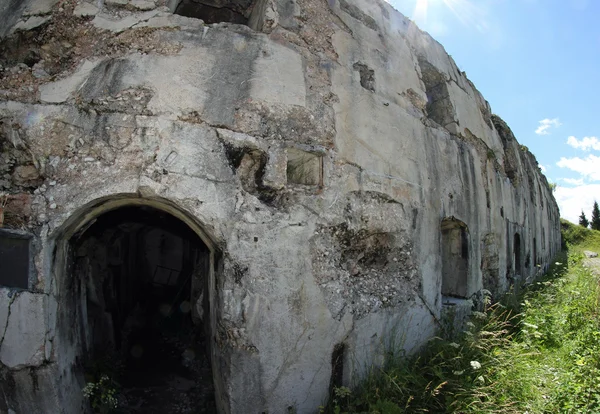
<point x="304" y="167"/>
<point x="15" y="261"/>
<point x="455" y="258"/>
<point x="247" y="12"/>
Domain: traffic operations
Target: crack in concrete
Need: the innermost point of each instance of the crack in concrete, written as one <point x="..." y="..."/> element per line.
<point x="12" y="299"/>
<point x="435" y="318"/>
<point x="287" y="361"/>
<point x="213" y="180"/>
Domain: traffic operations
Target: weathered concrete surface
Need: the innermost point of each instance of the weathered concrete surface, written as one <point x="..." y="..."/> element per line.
<point x="5" y="302"/>
<point x="23" y="343"/>
<point x="316" y="158"/>
<point x="31" y="391"/>
<point x="18" y="15"/>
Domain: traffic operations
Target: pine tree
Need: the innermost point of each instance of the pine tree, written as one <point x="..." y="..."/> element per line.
<point x="596" y="217"/>
<point x="583" y="221"/>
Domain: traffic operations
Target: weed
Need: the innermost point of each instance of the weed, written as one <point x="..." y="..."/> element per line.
<point x="102" y="388"/>
<point x="537" y="352"/>
<point x="102" y="395"/>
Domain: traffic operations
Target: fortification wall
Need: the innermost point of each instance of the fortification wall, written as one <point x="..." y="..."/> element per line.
<point x="350" y="182"/>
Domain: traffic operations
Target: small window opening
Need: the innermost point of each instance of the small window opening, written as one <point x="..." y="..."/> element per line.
<point x="455" y="258"/>
<point x="367" y="76"/>
<point x="304" y="167"/>
<point x="14" y="259"/>
<point x="218" y="11"/>
<point x="337" y="365"/>
<point x="439" y="102"/>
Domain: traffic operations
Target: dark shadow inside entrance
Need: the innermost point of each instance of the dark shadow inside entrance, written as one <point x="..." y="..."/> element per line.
<point x="217" y="11"/>
<point x="142" y="277"/>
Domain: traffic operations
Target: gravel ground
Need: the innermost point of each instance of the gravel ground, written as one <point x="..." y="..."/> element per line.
<point x="593" y="264"/>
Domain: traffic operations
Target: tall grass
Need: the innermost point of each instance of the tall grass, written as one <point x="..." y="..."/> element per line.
<point x="537" y="354"/>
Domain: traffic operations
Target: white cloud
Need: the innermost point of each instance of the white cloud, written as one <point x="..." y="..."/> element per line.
<point x="586" y="143"/>
<point x="571" y="200"/>
<point x="573" y="181"/>
<point x="546" y="124"/>
<point x="543" y="168"/>
<point x="588" y="167"/>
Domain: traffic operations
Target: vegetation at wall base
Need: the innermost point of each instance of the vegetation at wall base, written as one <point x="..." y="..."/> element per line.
<point x="538" y="352"/>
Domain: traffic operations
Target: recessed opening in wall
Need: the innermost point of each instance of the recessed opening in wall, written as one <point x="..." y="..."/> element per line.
<point x="14" y="259"/>
<point x="455" y="258"/>
<point x="367" y="76"/>
<point x="140" y="281"/>
<point x="517" y="253"/>
<point x="217" y="11"/>
<point x="337" y="366"/>
<point x="304" y="167"/>
<point x="439" y="103"/>
<point x="543" y="238"/>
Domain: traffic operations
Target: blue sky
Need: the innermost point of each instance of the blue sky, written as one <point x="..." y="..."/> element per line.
<point x="537" y="62"/>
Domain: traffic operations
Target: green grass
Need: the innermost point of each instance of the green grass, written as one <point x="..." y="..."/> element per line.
<point x="578" y="237"/>
<point x="539" y="353"/>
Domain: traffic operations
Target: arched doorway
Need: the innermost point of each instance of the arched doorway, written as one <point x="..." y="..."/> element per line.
<point x="136" y="307"/>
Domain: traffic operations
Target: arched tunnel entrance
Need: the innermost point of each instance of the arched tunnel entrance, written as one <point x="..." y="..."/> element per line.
<point x="139" y="280"/>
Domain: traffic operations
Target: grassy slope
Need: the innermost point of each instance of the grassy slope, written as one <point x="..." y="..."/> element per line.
<point x="538" y="354"/>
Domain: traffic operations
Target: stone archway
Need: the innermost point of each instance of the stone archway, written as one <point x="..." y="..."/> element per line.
<point x="135" y="285"/>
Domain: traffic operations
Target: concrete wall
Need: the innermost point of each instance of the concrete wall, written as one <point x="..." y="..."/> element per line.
<point x="137" y="105"/>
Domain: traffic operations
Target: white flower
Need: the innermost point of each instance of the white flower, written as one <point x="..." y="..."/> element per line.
<point x="470" y="324"/>
<point x="475" y="365"/>
<point x="479" y="315"/>
<point x="454" y="345"/>
<point x="557" y="263"/>
<point x="530" y="325"/>
<point x="480" y="379"/>
<point x="458" y="372"/>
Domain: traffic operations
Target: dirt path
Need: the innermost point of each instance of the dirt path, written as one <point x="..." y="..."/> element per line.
<point x="593" y="263"/>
